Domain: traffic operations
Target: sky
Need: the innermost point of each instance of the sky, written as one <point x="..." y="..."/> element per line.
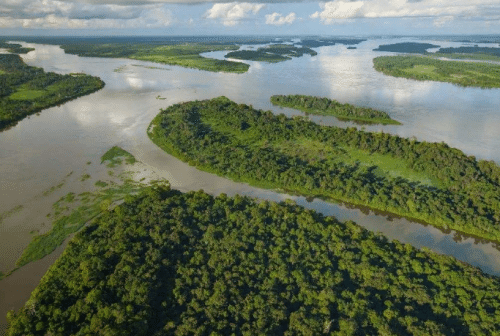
<point x="264" y="17"/>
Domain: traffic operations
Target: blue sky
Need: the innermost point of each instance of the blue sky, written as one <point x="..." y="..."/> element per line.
<point x="188" y="17"/>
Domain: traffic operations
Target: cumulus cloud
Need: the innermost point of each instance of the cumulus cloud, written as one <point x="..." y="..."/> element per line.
<point x="443" y="10"/>
<point x="232" y="13"/>
<point x="279" y="20"/>
<point x="443" y="20"/>
<point x="59" y="15"/>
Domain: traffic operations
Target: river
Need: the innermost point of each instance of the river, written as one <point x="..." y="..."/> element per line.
<point x="40" y="151"/>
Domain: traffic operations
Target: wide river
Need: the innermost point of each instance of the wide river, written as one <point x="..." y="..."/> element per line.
<point x="41" y="150"/>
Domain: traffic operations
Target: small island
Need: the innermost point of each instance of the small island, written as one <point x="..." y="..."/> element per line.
<point x="430" y="182"/>
<point x="25" y="90"/>
<point x="328" y="41"/>
<point x="407" y="47"/>
<point x="427" y="68"/>
<point x="475" y="53"/>
<point x="272" y="53"/>
<point x="327" y="107"/>
<point x="172" y="263"/>
<point x="15" y="48"/>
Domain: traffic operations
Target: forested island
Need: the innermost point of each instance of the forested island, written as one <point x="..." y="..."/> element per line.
<point x="172" y="263"/>
<point x="328" y="41"/>
<point x="325" y="106"/>
<point x="25" y="90"/>
<point x="272" y="53"/>
<point x="426" y="68"/>
<point x="465" y="52"/>
<point x="427" y="181"/>
<point x="480" y="53"/>
<point x="15" y="48"/>
<point x="406" y="47"/>
<point x="186" y="55"/>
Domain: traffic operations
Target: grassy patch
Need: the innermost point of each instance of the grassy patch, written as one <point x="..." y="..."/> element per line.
<point x="120" y="69"/>
<point x="84" y="177"/>
<point x="149" y="67"/>
<point x="101" y="184"/>
<point x="10" y="212"/>
<point x="27" y="94"/>
<point x="115" y="155"/>
<point x="386" y="165"/>
<point x="53" y="188"/>
<point x="71" y="212"/>
<point x="422" y="69"/>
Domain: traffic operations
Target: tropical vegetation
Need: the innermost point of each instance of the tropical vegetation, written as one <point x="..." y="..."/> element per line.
<point x="325" y="106"/>
<point x="185" y="55"/>
<point x="15" y="48"/>
<point x="272" y="53"/>
<point x="426" y="68"/>
<point x="25" y="90"/>
<point x="168" y="263"/>
<point x="427" y="181"/>
<point x="406" y="47"/>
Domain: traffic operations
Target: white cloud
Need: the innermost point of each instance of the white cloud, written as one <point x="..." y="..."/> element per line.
<point x="338" y="10"/>
<point x="443" y="20"/>
<point x="443" y="10"/>
<point x="279" y="20"/>
<point x="152" y="16"/>
<point x="232" y="13"/>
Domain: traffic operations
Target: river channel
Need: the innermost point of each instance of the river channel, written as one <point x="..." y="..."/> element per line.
<point x="40" y="151"/>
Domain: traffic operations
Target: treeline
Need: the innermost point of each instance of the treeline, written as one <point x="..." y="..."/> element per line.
<point x="325" y="106"/>
<point x="461" y="73"/>
<point x="25" y="90"/>
<point x="185" y="54"/>
<point x="471" y="50"/>
<point x="168" y="263"/>
<point x="247" y="145"/>
<point x="15" y="48"/>
<point x="326" y="41"/>
<point x="406" y="47"/>
<point x="271" y="53"/>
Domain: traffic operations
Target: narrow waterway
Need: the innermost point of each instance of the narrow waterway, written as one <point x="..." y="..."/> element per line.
<point x="40" y="151"/>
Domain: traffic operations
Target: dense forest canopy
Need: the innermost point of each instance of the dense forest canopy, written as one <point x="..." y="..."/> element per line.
<point x="427" y="181"/>
<point x="25" y="90"/>
<point x="168" y="263"/>
<point x="325" y="106"/>
<point x="427" y="68"/>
